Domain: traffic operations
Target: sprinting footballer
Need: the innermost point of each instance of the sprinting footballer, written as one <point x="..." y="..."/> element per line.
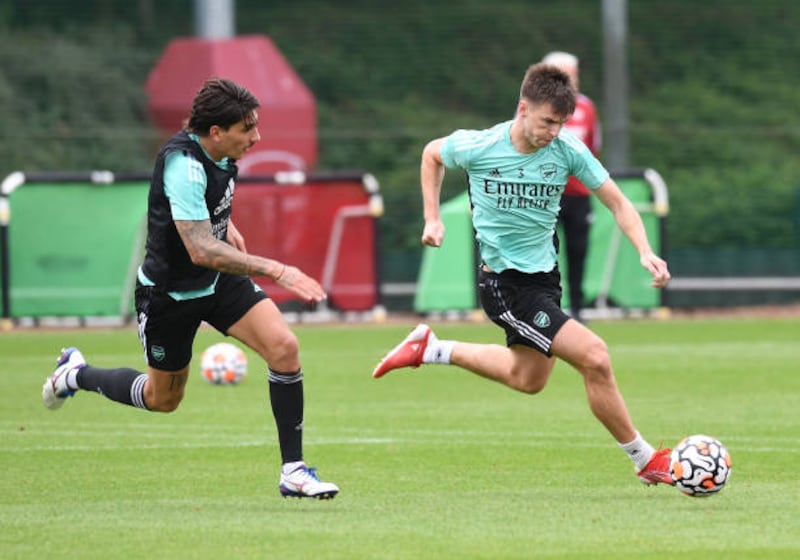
<point x="196" y="269"/>
<point x="700" y="466"/>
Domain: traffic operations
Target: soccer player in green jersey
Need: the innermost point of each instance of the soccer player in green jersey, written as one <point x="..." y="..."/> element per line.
<point x="196" y="268"/>
<point x="517" y="172"/>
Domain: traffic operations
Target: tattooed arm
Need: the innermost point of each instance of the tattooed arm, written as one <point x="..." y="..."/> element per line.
<point x="206" y="250"/>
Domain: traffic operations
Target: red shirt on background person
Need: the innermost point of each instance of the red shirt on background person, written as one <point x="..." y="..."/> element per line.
<point x="576" y="213"/>
<point x="585" y="125"/>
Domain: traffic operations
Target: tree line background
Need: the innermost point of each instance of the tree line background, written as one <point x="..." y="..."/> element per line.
<point x="714" y="97"/>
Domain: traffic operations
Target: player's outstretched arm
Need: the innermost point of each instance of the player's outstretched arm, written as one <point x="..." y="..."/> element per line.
<point x="630" y="222"/>
<point x="431" y="177"/>
<point x="208" y="251"/>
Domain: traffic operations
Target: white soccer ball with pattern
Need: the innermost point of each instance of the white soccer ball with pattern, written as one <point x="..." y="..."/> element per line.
<point x="700" y="466"/>
<point x="223" y="364"/>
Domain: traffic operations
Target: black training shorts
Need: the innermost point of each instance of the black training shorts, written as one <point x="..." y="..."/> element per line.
<point x="526" y="306"/>
<point x="167" y="327"/>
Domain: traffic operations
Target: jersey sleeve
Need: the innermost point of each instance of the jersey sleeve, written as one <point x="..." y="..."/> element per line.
<point x="583" y="164"/>
<point x="457" y="149"/>
<point x="185" y="187"/>
<point x="590" y="171"/>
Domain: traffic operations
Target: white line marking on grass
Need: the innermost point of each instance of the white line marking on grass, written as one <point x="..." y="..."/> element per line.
<point x="325" y="441"/>
<point x="141" y="447"/>
<point x="140" y="436"/>
<point x="703" y="348"/>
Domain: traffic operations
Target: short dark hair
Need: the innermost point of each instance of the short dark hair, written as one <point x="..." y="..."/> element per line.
<point x="220" y="102"/>
<point x="544" y="83"/>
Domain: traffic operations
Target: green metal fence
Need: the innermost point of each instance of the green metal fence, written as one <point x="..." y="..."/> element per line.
<point x="613" y="276"/>
<point x="71" y="243"/>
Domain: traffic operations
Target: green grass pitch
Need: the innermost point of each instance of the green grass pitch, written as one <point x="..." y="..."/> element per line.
<point x="432" y="463"/>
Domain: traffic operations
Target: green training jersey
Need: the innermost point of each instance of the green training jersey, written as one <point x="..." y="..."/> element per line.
<point x="516" y="197"/>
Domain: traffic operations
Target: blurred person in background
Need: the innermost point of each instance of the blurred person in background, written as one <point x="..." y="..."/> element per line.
<point x="196" y="268"/>
<point x="576" y="211"/>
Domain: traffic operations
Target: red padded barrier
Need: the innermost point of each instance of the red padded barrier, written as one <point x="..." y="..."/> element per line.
<point x="288" y="112"/>
<point x="297" y="224"/>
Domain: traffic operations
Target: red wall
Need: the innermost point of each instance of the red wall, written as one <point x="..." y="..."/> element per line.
<point x="294" y="223"/>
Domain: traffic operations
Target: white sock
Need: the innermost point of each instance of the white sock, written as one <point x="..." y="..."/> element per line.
<point x="639" y="451"/>
<point x="291" y="467"/>
<point x="71" y="379"/>
<point x="438" y="351"/>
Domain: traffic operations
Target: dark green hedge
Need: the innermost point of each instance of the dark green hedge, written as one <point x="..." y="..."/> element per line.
<point x="714" y="96"/>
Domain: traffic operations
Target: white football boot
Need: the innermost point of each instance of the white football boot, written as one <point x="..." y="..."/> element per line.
<point x="303" y="482"/>
<point x="55" y="390"/>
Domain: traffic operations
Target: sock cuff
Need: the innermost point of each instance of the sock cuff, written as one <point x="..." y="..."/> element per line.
<point x="635" y="439"/>
<point x="438" y="352"/>
<point x="639" y="451"/>
<point x="137" y="391"/>
<point x="72" y="378"/>
<point x="284" y="378"/>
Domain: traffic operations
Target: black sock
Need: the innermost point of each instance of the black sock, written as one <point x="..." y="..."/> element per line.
<point x="123" y="385"/>
<point x="286" y="398"/>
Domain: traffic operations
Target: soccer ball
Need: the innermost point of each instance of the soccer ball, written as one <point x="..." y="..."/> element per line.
<point x="223" y="364"/>
<point x="700" y="466"/>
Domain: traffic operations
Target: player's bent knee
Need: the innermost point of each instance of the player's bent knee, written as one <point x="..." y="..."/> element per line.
<point x="531" y="388"/>
<point x="285" y="348"/>
<point x="164" y="407"/>
<point x="528" y="382"/>
<point x="596" y="361"/>
<point x="169" y="403"/>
